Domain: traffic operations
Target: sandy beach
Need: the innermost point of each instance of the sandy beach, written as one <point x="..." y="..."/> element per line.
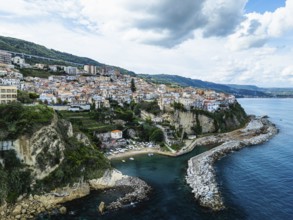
<point x="145" y="150"/>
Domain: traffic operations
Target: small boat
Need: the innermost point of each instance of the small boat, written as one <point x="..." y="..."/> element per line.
<point x="123" y="161"/>
<point x="131" y="158"/>
<point x="150" y="154"/>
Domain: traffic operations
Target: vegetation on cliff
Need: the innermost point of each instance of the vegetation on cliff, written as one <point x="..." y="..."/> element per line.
<point x="224" y="120"/>
<point x="17" y="119"/>
<point x="15" y="177"/>
<point x="80" y="161"/>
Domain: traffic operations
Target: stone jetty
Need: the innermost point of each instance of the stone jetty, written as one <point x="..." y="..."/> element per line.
<point x="201" y="175"/>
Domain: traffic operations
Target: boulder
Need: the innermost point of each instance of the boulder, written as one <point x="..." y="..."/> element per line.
<point x="17" y="210"/>
<point x="63" y="210"/>
<point x="102" y="207"/>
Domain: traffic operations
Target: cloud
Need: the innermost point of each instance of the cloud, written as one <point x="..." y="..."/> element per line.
<point x="138" y="35"/>
<point x="257" y="29"/>
<point x="172" y="23"/>
<point x="165" y="23"/>
<point x="223" y="16"/>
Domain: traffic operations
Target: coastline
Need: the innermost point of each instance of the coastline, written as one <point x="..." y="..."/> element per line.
<point x="131" y="153"/>
<point x="49" y="203"/>
<point x="201" y="175"/>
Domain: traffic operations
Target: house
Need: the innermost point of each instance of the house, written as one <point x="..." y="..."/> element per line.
<point x="18" y="60"/>
<point x="49" y="98"/>
<point x="116" y="134"/>
<point x="53" y="68"/>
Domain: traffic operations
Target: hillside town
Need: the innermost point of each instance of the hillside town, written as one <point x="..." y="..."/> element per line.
<point x="79" y="87"/>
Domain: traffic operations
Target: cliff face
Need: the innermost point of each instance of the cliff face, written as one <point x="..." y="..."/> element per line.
<point x="44" y="150"/>
<point x="202" y="122"/>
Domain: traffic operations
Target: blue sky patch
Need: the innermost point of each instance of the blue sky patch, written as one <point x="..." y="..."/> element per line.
<point x="262" y="6"/>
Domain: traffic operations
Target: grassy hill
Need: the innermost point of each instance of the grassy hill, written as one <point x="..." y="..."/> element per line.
<point x="185" y="82"/>
<point x="22" y="46"/>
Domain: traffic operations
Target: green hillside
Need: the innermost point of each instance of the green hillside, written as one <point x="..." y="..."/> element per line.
<point x="22" y="46"/>
<point x="185" y="82"/>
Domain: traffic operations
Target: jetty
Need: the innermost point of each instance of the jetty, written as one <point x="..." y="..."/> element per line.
<point x="201" y="175"/>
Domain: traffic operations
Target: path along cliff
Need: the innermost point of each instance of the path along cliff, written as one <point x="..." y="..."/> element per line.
<point x="201" y="175"/>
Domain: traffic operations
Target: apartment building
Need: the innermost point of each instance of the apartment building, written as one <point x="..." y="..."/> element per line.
<point x="90" y="69"/>
<point x="8" y="94"/>
<point x="5" y="57"/>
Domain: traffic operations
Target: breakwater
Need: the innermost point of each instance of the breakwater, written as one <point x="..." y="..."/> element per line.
<point x="201" y="174"/>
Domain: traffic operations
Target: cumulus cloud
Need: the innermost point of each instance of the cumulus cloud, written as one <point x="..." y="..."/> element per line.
<point x="223" y="16"/>
<point x="137" y="35"/>
<point x="257" y="29"/>
<point x="172" y="23"/>
<point x="165" y="23"/>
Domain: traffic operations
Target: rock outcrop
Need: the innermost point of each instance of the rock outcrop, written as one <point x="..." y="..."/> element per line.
<point x="201" y="174"/>
<point x="43" y="151"/>
<point x="31" y="206"/>
<point x="114" y="178"/>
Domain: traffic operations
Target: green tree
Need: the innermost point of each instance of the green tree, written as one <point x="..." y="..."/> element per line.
<point x="132" y="86"/>
<point x="157" y="136"/>
<point x="23" y="97"/>
<point x="59" y="101"/>
<point x="33" y="95"/>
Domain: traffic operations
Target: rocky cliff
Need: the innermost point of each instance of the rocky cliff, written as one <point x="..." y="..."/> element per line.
<point x="44" y="150"/>
<point x="202" y="122"/>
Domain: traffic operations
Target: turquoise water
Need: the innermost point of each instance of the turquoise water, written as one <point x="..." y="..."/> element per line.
<point x="256" y="182"/>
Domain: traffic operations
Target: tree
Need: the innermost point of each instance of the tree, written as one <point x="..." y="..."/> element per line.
<point x="59" y="101"/>
<point x="157" y="136"/>
<point x="132" y="86"/>
<point x="23" y="97"/>
<point x="33" y="95"/>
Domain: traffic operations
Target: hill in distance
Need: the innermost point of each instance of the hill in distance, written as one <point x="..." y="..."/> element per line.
<point x="26" y="47"/>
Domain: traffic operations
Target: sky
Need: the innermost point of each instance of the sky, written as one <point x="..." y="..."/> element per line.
<point x="247" y="42"/>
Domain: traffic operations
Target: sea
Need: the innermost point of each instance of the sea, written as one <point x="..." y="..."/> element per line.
<point x="256" y="182"/>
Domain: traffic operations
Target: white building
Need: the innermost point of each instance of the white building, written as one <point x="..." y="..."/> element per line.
<point x="18" y="60"/>
<point x="71" y="70"/>
<point x="49" y="98"/>
<point x="116" y="134"/>
<point x="53" y="68"/>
